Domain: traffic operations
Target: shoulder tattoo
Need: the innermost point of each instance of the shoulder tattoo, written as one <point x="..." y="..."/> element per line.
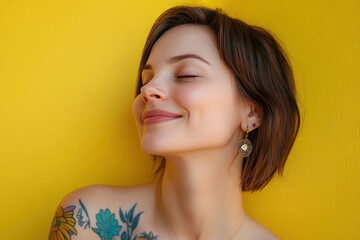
<point x="107" y="226"/>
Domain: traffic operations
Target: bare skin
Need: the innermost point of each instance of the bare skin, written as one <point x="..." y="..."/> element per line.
<point x="199" y="195"/>
<point x="99" y="196"/>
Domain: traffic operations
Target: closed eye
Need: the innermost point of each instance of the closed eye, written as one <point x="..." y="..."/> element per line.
<point x="187" y="76"/>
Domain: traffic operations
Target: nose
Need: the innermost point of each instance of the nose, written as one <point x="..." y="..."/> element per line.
<point x="152" y="92"/>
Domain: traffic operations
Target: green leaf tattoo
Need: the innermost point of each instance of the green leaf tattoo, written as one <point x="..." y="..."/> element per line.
<point x="130" y="221"/>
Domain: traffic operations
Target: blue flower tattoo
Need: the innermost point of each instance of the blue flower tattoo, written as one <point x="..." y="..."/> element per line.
<point x="108" y="226"/>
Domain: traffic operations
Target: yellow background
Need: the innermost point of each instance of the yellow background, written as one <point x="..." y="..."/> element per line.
<point x="67" y="79"/>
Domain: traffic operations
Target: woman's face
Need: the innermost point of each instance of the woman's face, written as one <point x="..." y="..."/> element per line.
<point x="186" y="78"/>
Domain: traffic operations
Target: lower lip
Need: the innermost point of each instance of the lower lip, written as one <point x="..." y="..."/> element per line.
<point x="157" y="119"/>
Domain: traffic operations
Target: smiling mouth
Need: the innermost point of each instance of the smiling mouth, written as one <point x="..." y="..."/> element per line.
<point x="157" y="115"/>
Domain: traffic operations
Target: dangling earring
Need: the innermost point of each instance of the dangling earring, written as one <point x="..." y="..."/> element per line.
<point x="245" y="146"/>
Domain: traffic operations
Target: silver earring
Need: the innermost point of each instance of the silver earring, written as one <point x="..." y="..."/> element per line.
<point x="245" y="146"/>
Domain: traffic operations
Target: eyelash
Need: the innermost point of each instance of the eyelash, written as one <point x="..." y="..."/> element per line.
<point x="187" y="76"/>
<point x="179" y="77"/>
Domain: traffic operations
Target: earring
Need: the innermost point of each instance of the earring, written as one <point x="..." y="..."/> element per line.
<point x="245" y="146"/>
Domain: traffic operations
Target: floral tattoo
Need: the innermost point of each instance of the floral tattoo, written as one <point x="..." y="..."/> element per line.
<point x="63" y="224"/>
<point x="107" y="225"/>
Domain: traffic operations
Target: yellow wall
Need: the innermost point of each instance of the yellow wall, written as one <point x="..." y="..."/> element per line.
<point x="67" y="78"/>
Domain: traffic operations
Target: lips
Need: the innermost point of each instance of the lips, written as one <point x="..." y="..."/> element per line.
<point x="156" y="115"/>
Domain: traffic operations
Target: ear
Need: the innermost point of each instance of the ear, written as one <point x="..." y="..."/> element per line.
<point x="253" y="118"/>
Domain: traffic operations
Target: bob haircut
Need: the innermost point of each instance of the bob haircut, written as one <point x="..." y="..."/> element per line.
<point x="263" y="76"/>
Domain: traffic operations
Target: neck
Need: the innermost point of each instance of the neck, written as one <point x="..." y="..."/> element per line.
<point x="199" y="195"/>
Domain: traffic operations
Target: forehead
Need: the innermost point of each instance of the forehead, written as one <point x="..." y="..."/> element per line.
<point x="185" y="39"/>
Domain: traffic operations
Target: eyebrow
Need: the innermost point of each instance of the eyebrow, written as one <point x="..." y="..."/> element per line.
<point x="179" y="58"/>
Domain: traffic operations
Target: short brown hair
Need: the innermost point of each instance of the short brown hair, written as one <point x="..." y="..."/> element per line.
<point x="264" y="76"/>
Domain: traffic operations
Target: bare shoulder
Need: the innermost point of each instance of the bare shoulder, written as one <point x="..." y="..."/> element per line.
<point x="102" y="212"/>
<point x="255" y="231"/>
<point x="96" y="195"/>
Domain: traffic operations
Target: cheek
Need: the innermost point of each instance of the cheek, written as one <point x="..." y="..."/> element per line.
<point x="138" y="108"/>
<point x="210" y="108"/>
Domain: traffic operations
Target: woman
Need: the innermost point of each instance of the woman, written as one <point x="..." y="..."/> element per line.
<point x="215" y="103"/>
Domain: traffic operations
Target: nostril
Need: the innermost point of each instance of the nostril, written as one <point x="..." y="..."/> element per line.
<point x="155" y="96"/>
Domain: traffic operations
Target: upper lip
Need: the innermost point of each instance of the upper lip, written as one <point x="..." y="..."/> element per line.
<point x="158" y="112"/>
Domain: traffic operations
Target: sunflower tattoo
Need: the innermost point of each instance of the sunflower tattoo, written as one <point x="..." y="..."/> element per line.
<point x="63" y="224"/>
